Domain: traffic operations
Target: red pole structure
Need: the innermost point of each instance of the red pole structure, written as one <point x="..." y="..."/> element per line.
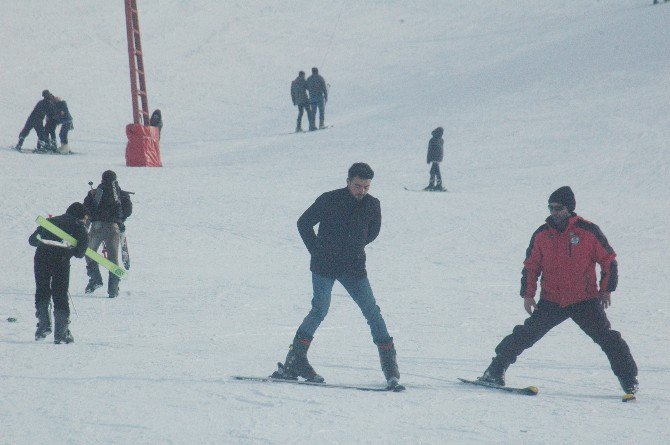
<point x="143" y="140"/>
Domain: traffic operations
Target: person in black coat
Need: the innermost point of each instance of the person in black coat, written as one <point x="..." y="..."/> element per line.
<point x="52" y="271"/>
<point x="156" y="120"/>
<point x="109" y="206"/>
<point x="434" y="157"/>
<point x="36" y="121"/>
<point x="318" y="96"/>
<point x="349" y="219"/>
<point x="300" y="99"/>
<point x="59" y="115"/>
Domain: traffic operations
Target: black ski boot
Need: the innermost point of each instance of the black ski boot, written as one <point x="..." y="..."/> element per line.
<point x="113" y="286"/>
<point x="387" y="358"/>
<point x="62" y="333"/>
<point x="495" y="373"/>
<point x="95" y="279"/>
<point x="629" y="384"/>
<point x="43" y="322"/>
<point x="296" y="363"/>
<point x="19" y="144"/>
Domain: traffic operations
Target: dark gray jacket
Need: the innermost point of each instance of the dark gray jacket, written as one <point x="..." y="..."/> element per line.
<point x="299" y="91"/>
<point x="316" y="85"/>
<point x="346" y="226"/>
<point x="435" y="146"/>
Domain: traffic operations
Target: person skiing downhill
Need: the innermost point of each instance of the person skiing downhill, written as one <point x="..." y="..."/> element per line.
<point x="52" y="272"/>
<point x="434" y="157"/>
<point x="349" y="219"/>
<point x="564" y="252"/>
<point x="109" y="206"/>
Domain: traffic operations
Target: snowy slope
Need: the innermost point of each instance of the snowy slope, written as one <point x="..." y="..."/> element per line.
<point x="532" y="95"/>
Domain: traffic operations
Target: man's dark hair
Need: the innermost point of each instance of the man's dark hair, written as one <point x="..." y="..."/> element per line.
<point x="301" y="73"/>
<point x="315" y="70"/>
<point x="362" y="170"/>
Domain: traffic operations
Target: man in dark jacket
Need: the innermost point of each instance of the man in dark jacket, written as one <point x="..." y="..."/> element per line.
<point x="348" y="219"/>
<point x="434" y="157"/>
<point x="36" y="121"/>
<point x="300" y="99"/>
<point x="109" y="207"/>
<point x="564" y="252"/>
<point x="318" y="96"/>
<point x="52" y="271"/>
<point x="59" y="115"/>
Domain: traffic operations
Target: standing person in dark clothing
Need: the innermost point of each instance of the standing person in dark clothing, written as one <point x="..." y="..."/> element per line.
<point x="318" y="96"/>
<point x="300" y="99"/>
<point x="59" y="115"/>
<point x="156" y="120"/>
<point x="52" y="272"/>
<point x="434" y="157"/>
<point x="349" y="219"/>
<point x="109" y="206"/>
<point x="564" y="252"/>
<point x="36" y="121"/>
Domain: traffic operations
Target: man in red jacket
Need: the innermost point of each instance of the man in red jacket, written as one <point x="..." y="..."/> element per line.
<point x="564" y="252"/>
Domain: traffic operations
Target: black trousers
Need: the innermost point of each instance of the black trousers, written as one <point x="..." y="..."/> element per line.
<point x="38" y="125"/>
<point x="301" y="109"/>
<point x="52" y="279"/>
<point x="50" y="130"/>
<point x="435" y="173"/>
<point x="590" y="317"/>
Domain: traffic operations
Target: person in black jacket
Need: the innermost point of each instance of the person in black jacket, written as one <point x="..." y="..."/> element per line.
<point x="318" y="96"/>
<point x="59" y="115"/>
<point x="52" y="271"/>
<point x="156" y="120"/>
<point x="434" y="157"/>
<point x="36" y="121"/>
<point x="109" y="206"/>
<point x="300" y="99"/>
<point x="349" y="219"/>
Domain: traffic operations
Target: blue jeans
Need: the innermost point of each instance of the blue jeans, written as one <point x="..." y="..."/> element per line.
<point x="361" y="293"/>
<point x="317" y="103"/>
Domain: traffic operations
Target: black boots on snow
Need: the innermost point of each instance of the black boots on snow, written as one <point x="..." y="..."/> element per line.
<point x="62" y="333"/>
<point x="113" y="286"/>
<point x="629" y="385"/>
<point x="296" y="363"/>
<point x="495" y="373"/>
<point x="43" y="322"/>
<point x="387" y="358"/>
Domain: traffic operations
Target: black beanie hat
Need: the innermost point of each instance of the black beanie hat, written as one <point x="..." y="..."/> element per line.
<point x="77" y="210"/>
<point x="108" y="176"/>
<point x="46" y="94"/>
<point x="564" y="196"/>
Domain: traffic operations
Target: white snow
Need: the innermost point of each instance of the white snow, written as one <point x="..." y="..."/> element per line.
<point x="532" y="94"/>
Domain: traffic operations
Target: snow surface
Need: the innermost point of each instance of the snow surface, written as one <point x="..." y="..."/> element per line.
<point x="532" y="94"/>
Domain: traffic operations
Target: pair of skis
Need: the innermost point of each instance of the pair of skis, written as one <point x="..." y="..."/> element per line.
<point x="71" y="241"/>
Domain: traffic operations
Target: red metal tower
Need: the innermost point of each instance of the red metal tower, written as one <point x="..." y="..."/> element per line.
<point x="138" y="85"/>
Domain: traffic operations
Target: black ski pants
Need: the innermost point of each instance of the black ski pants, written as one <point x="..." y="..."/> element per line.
<point x="435" y="174"/>
<point x="52" y="279"/>
<point x="590" y="317"/>
<point x="38" y="125"/>
<point x="50" y="130"/>
<point x="301" y="109"/>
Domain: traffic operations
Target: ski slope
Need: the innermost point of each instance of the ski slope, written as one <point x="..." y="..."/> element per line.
<point x="532" y="95"/>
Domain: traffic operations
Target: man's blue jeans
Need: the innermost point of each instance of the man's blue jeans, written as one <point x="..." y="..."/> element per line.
<point x="361" y="293"/>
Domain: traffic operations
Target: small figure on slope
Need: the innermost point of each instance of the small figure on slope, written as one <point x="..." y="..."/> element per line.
<point x="59" y="115"/>
<point x="36" y="121"/>
<point x="434" y="157"/>
<point x="52" y="272"/>
<point x="564" y="252"/>
<point x="318" y="96"/>
<point x="349" y="219"/>
<point x="300" y="100"/>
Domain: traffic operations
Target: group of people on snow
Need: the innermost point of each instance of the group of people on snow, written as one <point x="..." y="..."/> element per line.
<point x="309" y="95"/>
<point x="56" y="113"/>
<point x="105" y="209"/>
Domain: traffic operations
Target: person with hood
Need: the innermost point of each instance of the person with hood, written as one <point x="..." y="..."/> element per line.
<point x="434" y="157"/>
<point x="52" y="271"/>
<point x="36" y="121"/>
<point x="109" y="206"/>
<point x="156" y="120"/>
<point x="563" y="252"/>
<point x="300" y="99"/>
<point x="59" y="115"/>
<point x="318" y="96"/>
<point x="349" y="219"/>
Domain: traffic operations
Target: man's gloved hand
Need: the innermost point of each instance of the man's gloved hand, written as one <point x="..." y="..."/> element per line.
<point x="605" y="298"/>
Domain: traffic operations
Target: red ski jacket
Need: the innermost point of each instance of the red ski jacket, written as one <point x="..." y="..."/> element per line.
<point x="566" y="262"/>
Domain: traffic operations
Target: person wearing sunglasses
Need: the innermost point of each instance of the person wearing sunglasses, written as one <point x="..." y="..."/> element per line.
<point x="563" y="253"/>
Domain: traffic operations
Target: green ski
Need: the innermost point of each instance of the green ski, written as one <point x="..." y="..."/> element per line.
<point x="95" y="256"/>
